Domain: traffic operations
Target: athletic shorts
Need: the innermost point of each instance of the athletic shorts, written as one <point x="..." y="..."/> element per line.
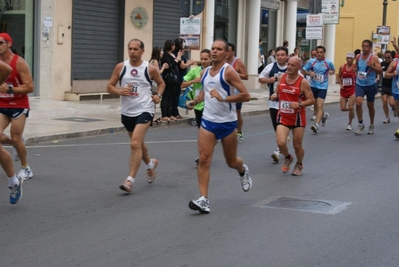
<point x="238" y="106"/>
<point x="386" y="90"/>
<point x="319" y="93"/>
<point x="370" y="91"/>
<point x="290" y="127"/>
<point x="220" y="130"/>
<point x="131" y="122"/>
<point x="395" y="96"/>
<point x="14" y="113"/>
<point x="347" y="92"/>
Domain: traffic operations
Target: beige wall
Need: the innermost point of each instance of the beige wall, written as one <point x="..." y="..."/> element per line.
<point x="358" y="19"/>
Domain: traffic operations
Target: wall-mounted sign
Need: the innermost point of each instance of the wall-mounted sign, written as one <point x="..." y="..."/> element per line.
<point x="190" y="26"/>
<point x="314" y="33"/>
<point x="139" y="17"/>
<point x="314" y="20"/>
<point x="330" y="10"/>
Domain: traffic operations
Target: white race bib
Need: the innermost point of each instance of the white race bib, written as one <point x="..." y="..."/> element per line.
<point x="285" y="107"/>
<point x="319" y="78"/>
<point x="362" y="75"/>
<point x="347" y="81"/>
<point x="273" y="104"/>
<point x="4" y="95"/>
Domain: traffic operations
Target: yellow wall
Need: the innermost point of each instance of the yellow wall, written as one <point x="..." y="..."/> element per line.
<point x="358" y="20"/>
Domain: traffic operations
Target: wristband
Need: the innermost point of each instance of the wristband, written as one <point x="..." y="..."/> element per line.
<point x="223" y="99"/>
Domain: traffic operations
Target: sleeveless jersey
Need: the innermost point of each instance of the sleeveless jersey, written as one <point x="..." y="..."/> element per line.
<point x="365" y="75"/>
<point x="386" y="82"/>
<point x="290" y="93"/>
<point x="395" y="82"/>
<point x="214" y="110"/>
<point x="14" y="100"/>
<point x="348" y="77"/>
<point x="138" y="79"/>
<point x="275" y="71"/>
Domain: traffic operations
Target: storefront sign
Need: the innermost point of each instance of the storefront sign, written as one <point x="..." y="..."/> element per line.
<point x="190" y="26"/>
<point x="270" y="4"/>
<point x="314" y="20"/>
<point x="314" y="33"/>
<point x="383" y="34"/>
<point x="330" y="11"/>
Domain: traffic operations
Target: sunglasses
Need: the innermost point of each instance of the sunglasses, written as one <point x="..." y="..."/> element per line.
<point x="2" y="42"/>
<point x="387" y="57"/>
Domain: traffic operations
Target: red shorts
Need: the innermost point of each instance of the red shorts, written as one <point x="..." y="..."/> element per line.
<point x="347" y="92"/>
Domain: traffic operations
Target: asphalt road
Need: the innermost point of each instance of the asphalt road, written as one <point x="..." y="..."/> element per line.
<point x="73" y="214"/>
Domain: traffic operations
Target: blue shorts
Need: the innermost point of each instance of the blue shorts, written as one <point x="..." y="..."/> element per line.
<point x="238" y="106"/>
<point x="395" y="96"/>
<point x="220" y="130"/>
<point x="319" y="93"/>
<point x="370" y="91"/>
<point x="14" y="113"/>
<point x="131" y="122"/>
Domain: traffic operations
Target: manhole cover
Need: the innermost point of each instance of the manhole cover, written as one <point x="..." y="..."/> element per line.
<point x="309" y="205"/>
<point x="77" y="119"/>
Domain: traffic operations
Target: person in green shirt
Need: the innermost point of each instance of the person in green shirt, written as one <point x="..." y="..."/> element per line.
<point x="193" y="78"/>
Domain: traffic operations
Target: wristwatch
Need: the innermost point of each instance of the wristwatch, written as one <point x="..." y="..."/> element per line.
<point x="10" y="89"/>
<point x="159" y="95"/>
<point x="223" y="99"/>
<point x="300" y="104"/>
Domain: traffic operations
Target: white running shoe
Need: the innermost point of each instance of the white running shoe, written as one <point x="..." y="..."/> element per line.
<point x="246" y="181"/>
<point x="359" y="129"/>
<point x="15" y="153"/>
<point x="349" y="127"/>
<point x="371" y="130"/>
<point x="151" y="174"/>
<point x="314" y="128"/>
<point x="313" y="118"/>
<point x="324" y="119"/>
<point x="201" y="204"/>
<point x="276" y="156"/>
<point x="25" y="173"/>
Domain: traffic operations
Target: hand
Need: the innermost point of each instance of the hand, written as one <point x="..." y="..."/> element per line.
<point x="273" y="97"/>
<point x="156" y="99"/>
<point x="165" y="66"/>
<point x="331" y="72"/>
<point x="197" y="80"/>
<point x="190" y="104"/>
<point x="393" y="42"/>
<point x="215" y="94"/>
<point x="395" y="73"/>
<point x="4" y="88"/>
<point x="312" y="74"/>
<point x="179" y="54"/>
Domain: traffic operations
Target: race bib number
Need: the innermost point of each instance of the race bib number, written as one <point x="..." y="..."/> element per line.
<point x="273" y="104"/>
<point x="285" y="107"/>
<point x="319" y="78"/>
<point x="133" y="89"/>
<point x="362" y="75"/>
<point x="347" y="81"/>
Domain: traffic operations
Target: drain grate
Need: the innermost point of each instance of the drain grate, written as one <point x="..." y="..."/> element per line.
<point x="309" y="205"/>
<point x="78" y="119"/>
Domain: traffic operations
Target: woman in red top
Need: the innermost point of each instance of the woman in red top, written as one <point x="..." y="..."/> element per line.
<point x="347" y="82"/>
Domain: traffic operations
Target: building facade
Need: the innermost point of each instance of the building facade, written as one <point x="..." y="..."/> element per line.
<point x="73" y="45"/>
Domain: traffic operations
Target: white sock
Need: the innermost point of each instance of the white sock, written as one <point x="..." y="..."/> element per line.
<point x="150" y="165"/>
<point x="12" y="181"/>
<point x="131" y="179"/>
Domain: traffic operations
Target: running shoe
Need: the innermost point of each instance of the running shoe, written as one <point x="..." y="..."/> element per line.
<point x="395" y="112"/>
<point x="16" y="191"/>
<point x="201" y="204"/>
<point x="297" y="170"/>
<point x="151" y="174"/>
<point x="371" y="130"/>
<point x="15" y="153"/>
<point x="240" y="137"/>
<point x="359" y="129"/>
<point x="287" y="163"/>
<point x="246" y="181"/>
<point x="25" y="173"/>
<point x="126" y="186"/>
<point x="314" y="128"/>
<point x="276" y="156"/>
<point x="387" y="120"/>
<point x="313" y="118"/>
<point x="396" y="134"/>
<point x="324" y="119"/>
<point x="349" y="127"/>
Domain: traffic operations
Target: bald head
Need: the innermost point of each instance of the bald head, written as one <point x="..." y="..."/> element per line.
<point x="293" y="65"/>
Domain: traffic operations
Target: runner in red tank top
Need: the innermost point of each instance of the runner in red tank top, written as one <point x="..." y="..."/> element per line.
<point x="347" y="82"/>
<point x="294" y="94"/>
<point x="14" y="103"/>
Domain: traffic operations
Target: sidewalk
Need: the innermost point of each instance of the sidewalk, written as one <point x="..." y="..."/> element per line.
<point x="51" y="121"/>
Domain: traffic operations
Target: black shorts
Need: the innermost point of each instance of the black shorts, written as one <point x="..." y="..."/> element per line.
<point x="386" y="90"/>
<point x="14" y="113"/>
<point x="131" y="122"/>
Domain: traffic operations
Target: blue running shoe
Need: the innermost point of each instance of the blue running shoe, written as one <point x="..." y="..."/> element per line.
<point x="16" y="191"/>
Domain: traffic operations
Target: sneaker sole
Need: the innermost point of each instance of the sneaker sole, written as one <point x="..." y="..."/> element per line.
<point x="314" y="129"/>
<point x="275" y="158"/>
<point x="20" y="196"/>
<point x="193" y="206"/>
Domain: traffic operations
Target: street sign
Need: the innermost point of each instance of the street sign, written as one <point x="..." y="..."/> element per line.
<point x="330" y="10"/>
<point x="190" y="26"/>
<point x="198" y="6"/>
